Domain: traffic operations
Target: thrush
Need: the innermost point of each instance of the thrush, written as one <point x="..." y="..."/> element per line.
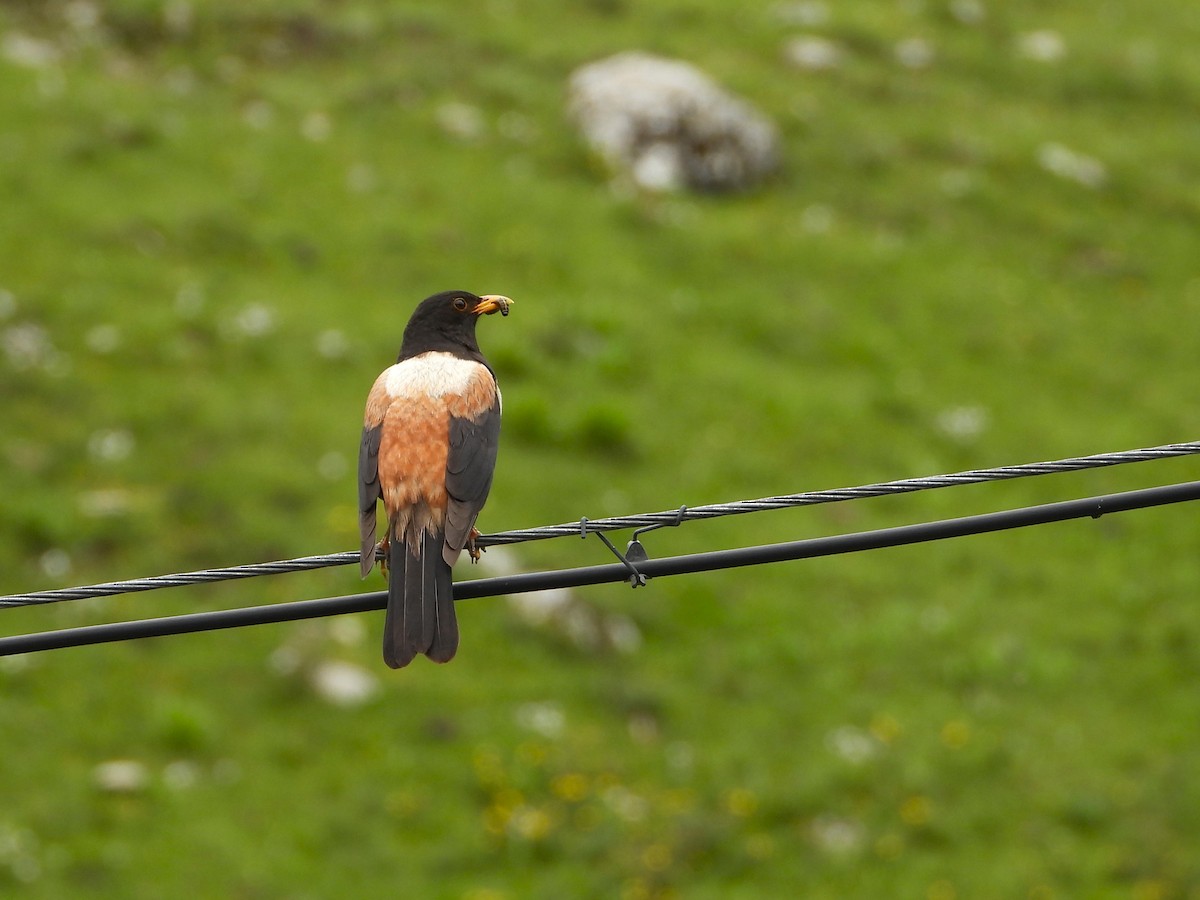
<point x="428" y="450"/>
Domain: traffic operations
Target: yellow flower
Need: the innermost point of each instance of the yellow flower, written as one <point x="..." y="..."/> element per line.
<point x="495" y="820"/>
<point x="889" y="845"/>
<point x="531" y="823"/>
<point x="916" y="810"/>
<point x="497" y="816"/>
<point x="760" y="846"/>
<point x="1150" y="889"/>
<point x="886" y="728"/>
<point x="532" y="753"/>
<point x="656" y="857"/>
<point x="487" y="765"/>
<point x="956" y="733"/>
<point x="570" y="786"/>
<point x="741" y="802"/>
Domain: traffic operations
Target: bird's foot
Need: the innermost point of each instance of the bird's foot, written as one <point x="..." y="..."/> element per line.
<point x="473" y="550"/>
<point x="382" y="552"/>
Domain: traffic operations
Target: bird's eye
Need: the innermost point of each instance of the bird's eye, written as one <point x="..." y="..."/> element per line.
<point x="460" y="303"/>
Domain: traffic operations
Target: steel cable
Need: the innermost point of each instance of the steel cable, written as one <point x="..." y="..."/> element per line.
<point x="617" y="523"/>
<point x="903" y="535"/>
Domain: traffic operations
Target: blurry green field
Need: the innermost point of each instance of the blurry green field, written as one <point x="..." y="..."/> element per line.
<point x="215" y="218"/>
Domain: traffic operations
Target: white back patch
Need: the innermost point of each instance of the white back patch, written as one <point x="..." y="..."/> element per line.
<point x="432" y="374"/>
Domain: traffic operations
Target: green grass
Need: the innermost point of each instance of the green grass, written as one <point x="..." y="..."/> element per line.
<point x="212" y="233"/>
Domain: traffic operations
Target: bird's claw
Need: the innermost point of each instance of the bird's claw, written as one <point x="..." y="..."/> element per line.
<point x="473" y="550"/>
<point x="382" y="552"/>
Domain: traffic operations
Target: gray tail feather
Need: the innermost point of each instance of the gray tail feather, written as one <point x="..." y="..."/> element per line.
<point x="420" y="610"/>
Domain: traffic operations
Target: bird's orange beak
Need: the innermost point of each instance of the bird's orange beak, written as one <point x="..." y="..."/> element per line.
<point x="493" y="303"/>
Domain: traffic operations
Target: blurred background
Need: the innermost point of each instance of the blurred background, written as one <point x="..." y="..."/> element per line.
<point x="975" y="245"/>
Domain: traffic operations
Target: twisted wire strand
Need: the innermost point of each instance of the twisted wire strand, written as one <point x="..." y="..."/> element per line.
<point x="708" y="561"/>
<point x="617" y="523"/>
<point x="812" y="498"/>
<point x="181" y="579"/>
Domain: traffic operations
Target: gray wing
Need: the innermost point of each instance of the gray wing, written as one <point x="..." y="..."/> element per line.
<point x="368" y="493"/>
<point x="469" y="468"/>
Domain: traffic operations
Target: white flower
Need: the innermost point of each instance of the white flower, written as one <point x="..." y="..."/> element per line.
<point x="104" y="503"/>
<point x="625" y="803"/>
<point x="852" y="744"/>
<point x="19" y="853"/>
<point x="82" y="15"/>
<point x="545" y="718"/>
<point x="963" y="423"/>
<point x="361" y="178"/>
<point x="537" y="607"/>
<point x="110" y="445"/>
<point x="517" y="127"/>
<point x="914" y="53"/>
<point x="189" y="299"/>
<point x="27" y="346"/>
<point x="837" y="836"/>
<point x="317" y="126"/>
<point x="1042" y="46"/>
<point x="332" y="465"/>
<point x="816" y="218"/>
<point x="104" y="338"/>
<point x="460" y="120"/>
<point x="258" y="114"/>
<point x="30" y="52"/>
<point x="181" y="774"/>
<point x="502" y="561"/>
<point x="348" y="631"/>
<point x="968" y="12"/>
<point x="120" y="776"/>
<point x="804" y="12"/>
<point x="343" y="683"/>
<point x="285" y="660"/>
<point x="623" y="633"/>
<point x="813" y="53"/>
<point x="1066" y="163"/>
<point x="178" y="16"/>
<point x="55" y="563"/>
<point x="332" y="343"/>
<point x="956" y="182"/>
<point x="256" y="320"/>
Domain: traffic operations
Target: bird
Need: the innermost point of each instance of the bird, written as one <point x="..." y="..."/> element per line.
<point x="428" y="451"/>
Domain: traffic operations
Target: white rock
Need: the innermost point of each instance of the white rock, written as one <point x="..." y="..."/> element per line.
<point x="668" y="125"/>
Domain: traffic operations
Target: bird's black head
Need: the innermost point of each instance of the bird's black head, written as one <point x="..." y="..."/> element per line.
<point x="446" y="322"/>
